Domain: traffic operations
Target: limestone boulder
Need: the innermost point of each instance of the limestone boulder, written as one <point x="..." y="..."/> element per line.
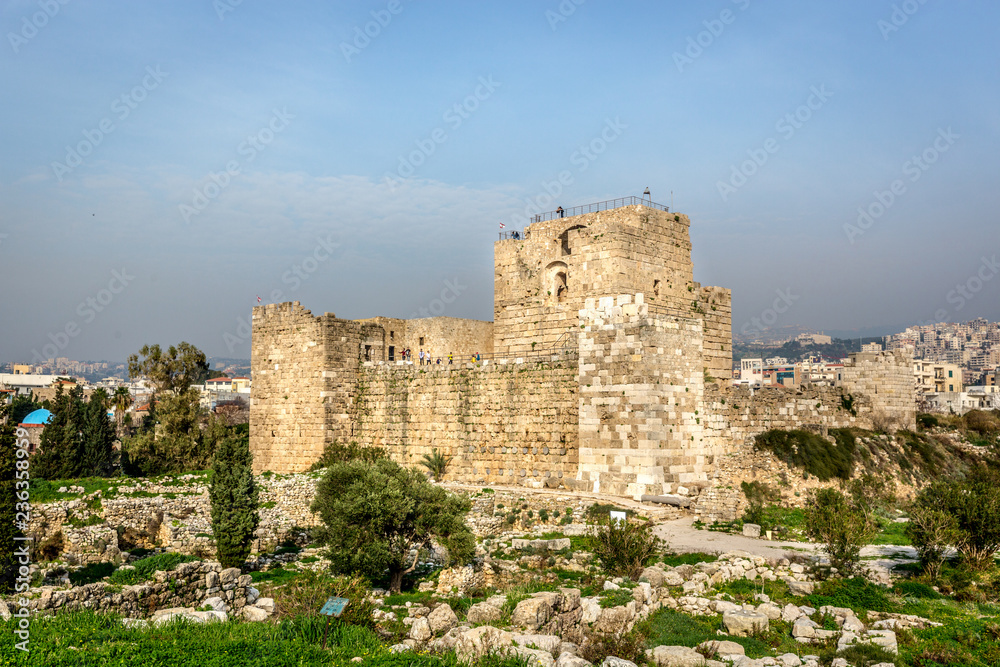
<point x="615" y="619"/>
<point x="267" y="604"/>
<point x="571" y="660"/>
<point x="751" y="530"/>
<point x="654" y="575"/>
<point x="591" y="611"/>
<point x="790" y="612"/>
<point x="483" y="612"/>
<point x="216" y="603"/>
<point x="475" y="643"/>
<point x="252" y="613"/>
<point x="721" y="648"/>
<point x="442" y="619"/>
<point x="612" y="661"/>
<point x="420" y="630"/>
<point x="744" y="623"/>
<point x="677" y="656"/>
<point x="550" y="643"/>
<point x="4" y="611"/>
<point x="532" y="613"/>
<point x="673" y="578"/>
<point x="801" y="587"/>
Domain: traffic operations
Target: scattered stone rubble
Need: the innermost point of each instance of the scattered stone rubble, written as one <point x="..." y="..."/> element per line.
<point x="548" y="628"/>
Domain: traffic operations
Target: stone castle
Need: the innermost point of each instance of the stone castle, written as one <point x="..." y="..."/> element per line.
<point x="607" y="368"/>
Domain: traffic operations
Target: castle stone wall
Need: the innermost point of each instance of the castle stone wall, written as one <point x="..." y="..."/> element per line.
<point x="506" y="423"/>
<point x="887" y="380"/>
<point x="641" y="389"/>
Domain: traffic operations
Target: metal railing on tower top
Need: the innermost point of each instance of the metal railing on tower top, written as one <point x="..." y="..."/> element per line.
<point x="599" y="206"/>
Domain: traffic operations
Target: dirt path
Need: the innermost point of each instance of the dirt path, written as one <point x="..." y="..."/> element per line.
<point x="683" y="537"/>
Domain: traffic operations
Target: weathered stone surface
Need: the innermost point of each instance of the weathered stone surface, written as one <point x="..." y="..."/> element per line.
<point x="743" y="623"/>
<point x="677" y="656"/>
<point x="477" y="642"/>
<point x="442" y="619"/>
<point x="612" y="661"/>
<point x="654" y="576"/>
<point x="790" y="612"/>
<point x="549" y="643"/>
<point x="420" y="630"/>
<point x="483" y="612"/>
<point x="4" y="611"/>
<point x="801" y="587"/>
<point x="804" y="627"/>
<point x="532" y="613"/>
<point x="722" y="648"/>
<point x="751" y="530"/>
<point x="672" y="578"/>
<point x="614" y="619"/>
<point x="571" y="660"/>
<point x="252" y="613"/>
<point x="771" y="610"/>
<point x="217" y="603"/>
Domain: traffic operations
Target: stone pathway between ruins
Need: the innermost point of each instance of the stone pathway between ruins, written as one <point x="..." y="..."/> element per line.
<point x="682" y="537"/>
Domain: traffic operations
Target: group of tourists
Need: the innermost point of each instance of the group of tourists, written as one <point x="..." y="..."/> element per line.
<point x="428" y="359"/>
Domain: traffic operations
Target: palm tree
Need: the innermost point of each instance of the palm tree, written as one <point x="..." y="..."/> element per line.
<point x="436" y="463"/>
<point x="122" y="400"/>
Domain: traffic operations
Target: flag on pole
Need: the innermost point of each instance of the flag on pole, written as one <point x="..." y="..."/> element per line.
<point x="502" y="225"/>
<point x="258" y="298"/>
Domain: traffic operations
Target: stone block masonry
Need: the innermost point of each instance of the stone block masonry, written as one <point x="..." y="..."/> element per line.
<point x="500" y="423"/>
<point x="609" y="371"/>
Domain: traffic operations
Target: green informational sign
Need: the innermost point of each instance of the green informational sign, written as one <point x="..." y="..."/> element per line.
<point x="334" y="606"/>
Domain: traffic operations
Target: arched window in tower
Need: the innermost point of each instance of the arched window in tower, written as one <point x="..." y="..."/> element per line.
<point x="557" y="282"/>
<point x="564" y="240"/>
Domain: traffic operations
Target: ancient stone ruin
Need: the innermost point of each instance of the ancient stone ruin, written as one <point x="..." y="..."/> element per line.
<point x="607" y="368"/>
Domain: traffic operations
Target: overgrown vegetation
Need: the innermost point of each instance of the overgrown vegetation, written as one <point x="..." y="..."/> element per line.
<point x="376" y="513"/>
<point x="436" y="463"/>
<point x="811" y="452"/>
<point x="335" y="452"/>
<point x="842" y="524"/>
<point x="624" y="548"/>
<point x="144" y="569"/>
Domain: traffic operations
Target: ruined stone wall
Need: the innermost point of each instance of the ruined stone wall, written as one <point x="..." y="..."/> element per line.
<point x="716" y="311"/>
<point x="289" y="401"/>
<point x="641" y="396"/>
<point x="501" y="423"/>
<point x="887" y="380"/>
<point x="449" y="335"/>
<point x="543" y="280"/>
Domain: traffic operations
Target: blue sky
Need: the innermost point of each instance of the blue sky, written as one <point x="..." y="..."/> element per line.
<point x="311" y="121"/>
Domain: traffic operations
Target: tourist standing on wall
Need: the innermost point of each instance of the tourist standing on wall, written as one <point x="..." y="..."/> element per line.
<point x="421" y="357"/>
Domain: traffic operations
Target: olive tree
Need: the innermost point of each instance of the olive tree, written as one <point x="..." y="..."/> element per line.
<point x="377" y="516"/>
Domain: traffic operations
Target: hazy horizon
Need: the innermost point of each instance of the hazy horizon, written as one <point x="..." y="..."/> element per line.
<point x="167" y="164"/>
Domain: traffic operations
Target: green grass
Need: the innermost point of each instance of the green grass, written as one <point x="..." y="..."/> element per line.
<point x="892" y="533"/>
<point x="667" y="627"/>
<point x="276" y="575"/>
<point x="615" y="598"/>
<point x="856" y="593"/>
<point x="673" y="560"/>
<point x="147" y="567"/>
<point x="79" y="639"/>
<point x="91" y="573"/>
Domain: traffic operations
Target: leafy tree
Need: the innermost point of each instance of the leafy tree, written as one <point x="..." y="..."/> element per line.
<point x="377" y="516"/>
<point x="974" y="504"/>
<point x="21" y="407"/>
<point x="175" y="441"/>
<point x="174" y="370"/>
<point x="79" y="440"/>
<point x="234" y="501"/>
<point x="842" y="525"/>
<point x="8" y="499"/>
<point x="122" y="400"/>
<point x="758" y="494"/>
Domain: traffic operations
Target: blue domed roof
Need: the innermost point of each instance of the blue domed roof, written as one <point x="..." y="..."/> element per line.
<point x="38" y="417"/>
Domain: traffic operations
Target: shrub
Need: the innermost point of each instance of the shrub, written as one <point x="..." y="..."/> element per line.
<point x="757" y="494"/>
<point x="856" y="593"/>
<point x="811" y="452"/>
<point x="334" y="452"/>
<point x="145" y="568"/>
<point x="842" y="526"/>
<point x="931" y="530"/>
<point x="600" y="512"/>
<point x="620" y="644"/>
<point x="90" y="573"/>
<point x="624" y="547"/>
<point x="974" y="504"/>
<point x="925" y="420"/>
<point x="305" y="593"/>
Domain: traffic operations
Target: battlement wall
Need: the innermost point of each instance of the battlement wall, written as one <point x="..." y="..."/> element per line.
<point x="500" y="423"/>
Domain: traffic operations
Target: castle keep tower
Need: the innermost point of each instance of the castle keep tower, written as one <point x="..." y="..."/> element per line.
<point x="542" y="281"/>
